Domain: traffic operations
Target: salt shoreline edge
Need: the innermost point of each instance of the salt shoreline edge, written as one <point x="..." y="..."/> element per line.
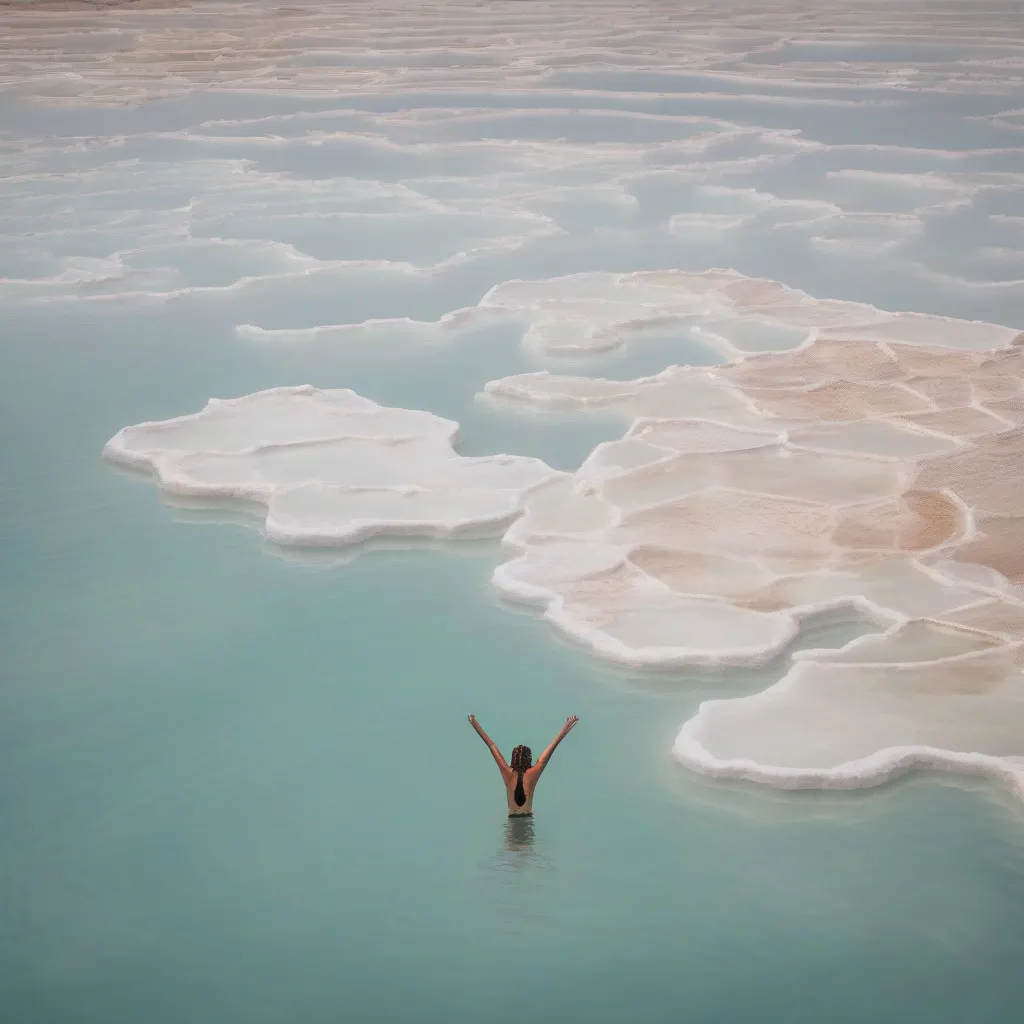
<point x="885" y="765"/>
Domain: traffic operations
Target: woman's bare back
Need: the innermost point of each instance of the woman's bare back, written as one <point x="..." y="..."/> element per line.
<point x="521" y="776"/>
<point x="530" y="780"/>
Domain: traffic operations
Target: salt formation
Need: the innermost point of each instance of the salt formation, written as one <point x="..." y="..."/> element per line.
<point x="331" y="467"/>
<point x="865" y="471"/>
<point x="344" y="171"/>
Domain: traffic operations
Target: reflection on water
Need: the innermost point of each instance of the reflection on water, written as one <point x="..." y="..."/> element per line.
<point x="520" y="837"/>
<point x="519" y="878"/>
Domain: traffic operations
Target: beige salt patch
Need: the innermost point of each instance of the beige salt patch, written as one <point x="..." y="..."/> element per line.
<point x="699" y="436"/>
<point x="821" y="313"/>
<point x="945" y="392"/>
<point x="656" y="484"/>
<point x="915" y="521"/>
<point x="987" y="477"/>
<point x="693" y="572"/>
<point x="933" y="331"/>
<point x="994" y="388"/>
<point x="756" y="292"/>
<point x="831" y="479"/>
<point x="1012" y="409"/>
<point x="613" y="458"/>
<point x="558" y="508"/>
<point x="730" y="522"/>
<point x="985" y="672"/>
<point x="820" y="361"/>
<point x="894" y="583"/>
<point x="1006" y="362"/>
<point x="688" y="626"/>
<point x="683" y="280"/>
<point x="968" y="422"/>
<point x="980" y="579"/>
<point x="838" y="400"/>
<point x="684" y="394"/>
<point x="922" y="361"/>
<point x="851" y="560"/>
<point x="915" y="641"/>
<point x="552" y="562"/>
<point x="1000" y="546"/>
<point x="933" y="518"/>
<point x="600" y="600"/>
<point x="871" y="437"/>
<point x="794" y="563"/>
<point x="1002" y="617"/>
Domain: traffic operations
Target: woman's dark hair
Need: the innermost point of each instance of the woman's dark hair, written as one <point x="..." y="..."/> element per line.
<point x="522" y="759"/>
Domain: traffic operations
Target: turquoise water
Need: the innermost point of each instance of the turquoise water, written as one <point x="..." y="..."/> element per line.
<point x="241" y="789"/>
<point x="237" y="785"/>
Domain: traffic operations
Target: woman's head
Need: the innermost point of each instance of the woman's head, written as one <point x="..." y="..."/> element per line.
<point x="522" y="758"/>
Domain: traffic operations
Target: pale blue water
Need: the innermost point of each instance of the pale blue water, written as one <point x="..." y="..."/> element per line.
<point x="237" y="786"/>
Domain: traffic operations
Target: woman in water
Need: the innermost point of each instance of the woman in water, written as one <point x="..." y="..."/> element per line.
<point x="521" y="776"/>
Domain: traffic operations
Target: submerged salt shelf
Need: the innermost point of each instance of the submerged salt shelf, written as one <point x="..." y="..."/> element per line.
<point x="347" y="174"/>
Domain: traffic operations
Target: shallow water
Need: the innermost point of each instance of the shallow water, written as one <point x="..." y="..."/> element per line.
<point x="237" y="782"/>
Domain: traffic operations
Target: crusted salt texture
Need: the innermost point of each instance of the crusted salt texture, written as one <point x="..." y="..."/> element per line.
<point x="331" y="467"/>
<point x="869" y="470"/>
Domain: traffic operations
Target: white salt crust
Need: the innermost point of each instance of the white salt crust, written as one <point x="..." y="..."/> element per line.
<point x="866" y="738"/>
<point x="330" y="467"/>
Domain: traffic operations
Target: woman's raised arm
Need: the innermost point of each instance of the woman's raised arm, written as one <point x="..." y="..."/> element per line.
<point x="491" y="746"/>
<point x="562" y="733"/>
